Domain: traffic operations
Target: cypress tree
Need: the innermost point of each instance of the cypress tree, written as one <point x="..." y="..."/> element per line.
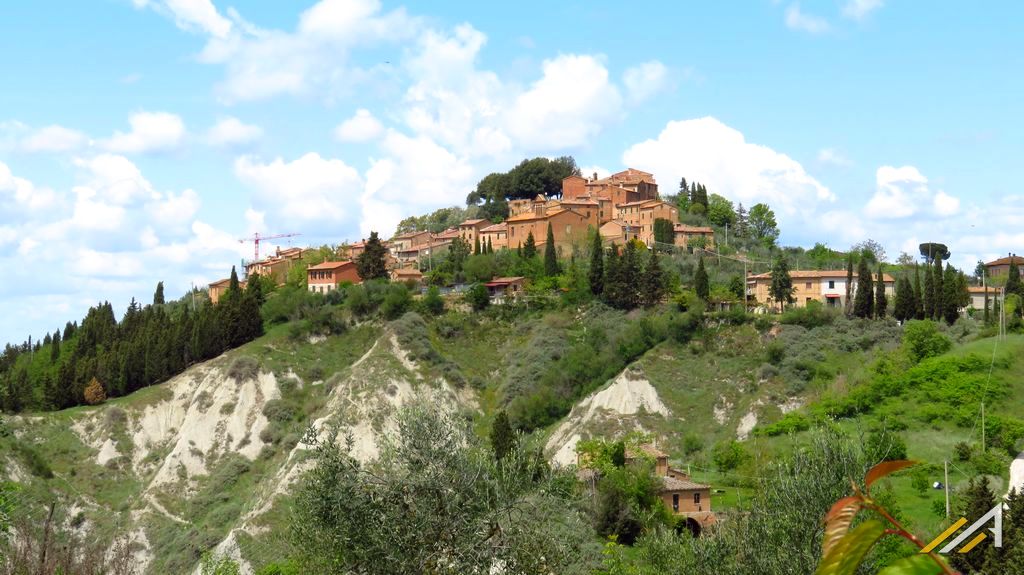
<point x="550" y="256"/>
<point x="881" y="302"/>
<point x="951" y="295"/>
<point x="519" y="250"/>
<point x="863" y="301"/>
<point x="653" y="284"/>
<point x="918" y="301"/>
<point x="490" y="246"/>
<point x="611" y="289"/>
<point x="629" y="270"/>
<point x="530" y="247"/>
<point x="898" y="304"/>
<point x="158" y="296"/>
<point x="938" y="295"/>
<point x="928" y="301"/>
<point x="781" y="289"/>
<point x="596" y="274"/>
<point x="1013" y="283"/>
<point x="503" y="438"/>
<point x="700" y="281"/>
<point x="372" y="263"/>
<point x="849" y="284"/>
<point x="55" y="347"/>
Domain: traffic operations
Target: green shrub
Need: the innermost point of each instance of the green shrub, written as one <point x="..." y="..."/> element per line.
<point x="791" y="422"/>
<point x="35" y="463"/>
<point x="963" y="451"/>
<point x="775" y="352"/>
<point x="990" y="463"/>
<point x="813" y="315"/>
<point x="432" y="302"/>
<point x="884" y="445"/>
<point x="728" y="455"/>
<point x="396" y="302"/>
<point x="477" y="297"/>
<point x="921" y="340"/>
<point x="280" y="411"/>
<point x="243" y="368"/>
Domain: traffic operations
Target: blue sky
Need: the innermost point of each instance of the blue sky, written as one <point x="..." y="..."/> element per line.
<point x="140" y="138"/>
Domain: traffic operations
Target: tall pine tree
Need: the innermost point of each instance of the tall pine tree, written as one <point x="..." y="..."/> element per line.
<point x="596" y="275"/>
<point x="881" y="302"/>
<point x="938" y="295"/>
<point x="158" y="296"/>
<point x="781" y="288"/>
<point x="849" y="284"/>
<point x="530" y="247"/>
<point x="550" y="255"/>
<point x="863" y="300"/>
<point x="503" y="438"/>
<point x="652" y="285"/>
<point x="951" y="295"/>
<point x="928" y="299"/>
<point x="903" y="307"/>
<point x="918" y="296"/>
<point x="372" y="263"/>
<point x="700" y="281"/>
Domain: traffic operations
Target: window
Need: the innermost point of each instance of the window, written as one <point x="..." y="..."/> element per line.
<point x="696" y="498"/>
<point x="807" y="285"/>
<point x="675" y="502"/>
<point x="831" y="284"/>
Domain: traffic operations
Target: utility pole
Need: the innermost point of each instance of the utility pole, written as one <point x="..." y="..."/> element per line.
<point x="983" y="425"/>
<point x="945" y="483"/>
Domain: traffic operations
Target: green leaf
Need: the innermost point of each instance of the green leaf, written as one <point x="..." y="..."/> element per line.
<point x="885" y="468"/>
<point x="914" y="565"/>
<point x="846" y="555"/>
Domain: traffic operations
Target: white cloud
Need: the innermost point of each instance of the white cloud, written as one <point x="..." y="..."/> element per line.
<point x="859" y="9"/>
<point x="832" y="157"/>
<point x="151" y="132"/>
<point x="904" y="192"/>
<point x="192" y="15"/>
<point x="589" y="171"/>
<point x="232" y="132"/>
<point x="708" y="151"/>
<point x="797" y="20"/>
<point x="19" y="196"/>
<point x="265" y="63"/>
<point x="361" y="127"/>
<point x="567" y="107"/>
<point x="945" y="205"/>
<point x="311" y="192"/>
<point x="112" y="236"/>
<point x="114" y="178"/>
<point x="54" y="139"/>
<point x="645" y="80"/>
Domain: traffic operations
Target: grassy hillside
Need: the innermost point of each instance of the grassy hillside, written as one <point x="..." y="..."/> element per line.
<point x="728" y="378"/>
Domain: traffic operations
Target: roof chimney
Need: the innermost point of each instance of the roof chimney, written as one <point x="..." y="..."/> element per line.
<point x="595" y="177"/>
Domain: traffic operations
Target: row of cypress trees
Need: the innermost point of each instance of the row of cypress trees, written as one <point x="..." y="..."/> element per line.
<point x="150" y="344"/>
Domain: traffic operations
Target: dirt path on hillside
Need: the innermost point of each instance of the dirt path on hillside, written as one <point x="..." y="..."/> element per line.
<point x="1017" y="473"/>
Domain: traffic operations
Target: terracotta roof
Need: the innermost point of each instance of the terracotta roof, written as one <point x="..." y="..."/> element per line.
<point x="1005" y="261"/>
<point x="410" y="234"/>
<point x="648" y="449"/>
<point x="981" y="289"/>
<point x="804" y="274"/>
<point x="330" y="265"/>
<point x="580" y="202"/>
<point x="503" y="281"/>
<point x="621" y="223"/>
<point x="495" y="228"/>
<point x="471" y="222"/>
<point x="673" y="484"/>
<point x="693" y="229"/>
<point x="219" y="283"/>
<point x="407" y="272"/>
<point x="643" y="203"/>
